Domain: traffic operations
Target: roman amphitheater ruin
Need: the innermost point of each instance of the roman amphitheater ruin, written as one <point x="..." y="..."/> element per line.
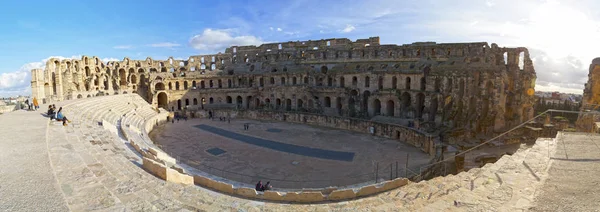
<point x="334" y="107"/>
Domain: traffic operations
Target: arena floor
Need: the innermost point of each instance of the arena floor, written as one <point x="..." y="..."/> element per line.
<point x="289" y="155"/>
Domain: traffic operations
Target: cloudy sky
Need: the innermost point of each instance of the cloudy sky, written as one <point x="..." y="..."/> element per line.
<point x="562" y="36"/>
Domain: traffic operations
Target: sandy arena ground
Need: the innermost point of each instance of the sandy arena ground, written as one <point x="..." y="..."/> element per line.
<point x="248" y="163"/>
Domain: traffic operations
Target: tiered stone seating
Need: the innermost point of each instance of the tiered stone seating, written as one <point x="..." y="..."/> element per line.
<point x="97" y="170"/>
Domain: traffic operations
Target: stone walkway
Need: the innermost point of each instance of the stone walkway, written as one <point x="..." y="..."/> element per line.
<point x="573" y="183"/>
<point x="27" y="181"/>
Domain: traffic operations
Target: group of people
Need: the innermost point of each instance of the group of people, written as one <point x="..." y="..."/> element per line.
<point x="57" y="115"/>
<point x="261" y="187"/>
<point x="32" y="104"/>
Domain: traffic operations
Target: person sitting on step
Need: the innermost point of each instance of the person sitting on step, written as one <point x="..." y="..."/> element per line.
<point x="268" y="186"/>
<point x="50" y="112"/>
<point x="61" y="117"/>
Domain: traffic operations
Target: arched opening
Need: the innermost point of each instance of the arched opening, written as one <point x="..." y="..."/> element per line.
<point x="420" y="104"/>
<point x="433" y="108"/>
<point x="248" y="101"/>
<point x="339" y="105"/>
<point x="53" y="83"/>
<point x="211" y="100"/>
<point x="423" y="84"/>
<point x="367" y="81"/>
<point x="202" y="84"/>
<point x="354" y="81"/>
<point x="282" y="80"/>
<point x="185" y="85"/>
<point x="406" y="101"/>
<point x="210" y="83"/>
<point x="380" y="83"/>
<point x="79" y="96"/>
<point x="376" y="107"/>
<point x="365" y="103"/>
<point x="176" y="85"/>
<point x="329" y="81"/>
<point x="187" y="102"/>
<point x="390" y="108"/>
<point x="159" y="86"/>
<point x="324" y="69"/>
<point x="256" y="103"/>
<point x="268" y="102"/>
<point x="294" y="81"/>
<point x="351" y="107"/>
<point x="179" y="104"/>
<point x="278" y="103"/>
<point x="170" y="86"/>
<point x="123" y="77"/>
<point x="407" y="83"/>
<point x="194" y="84"/>
<point x="394" y="82"/>
<point x="327" y="101"/>
<point x="306" y="80"/>
<point x="238" y="101"/>
<point x="229" y="100"/>
<point x="272" y="81"/>
<point x="342" y="83"/>
<point x="229" y="83"/>
<point x="195" y="101"/>
<point x="299" y="104"/>
<point x="288" y="104"/>
<point x="219" y="83"/>
<point x="261" y="82"/>
<point x="133" y="79"/>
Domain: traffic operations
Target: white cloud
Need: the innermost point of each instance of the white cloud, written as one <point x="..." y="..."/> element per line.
<point x="279" y="29"/>
<point x="219" y="39"/>
<point x="123" y="47"/>
<point x="109" y="59"/>
<point x="164" y="45"/>
<point x="271" y="28"/>
<point x="349" y="28"/>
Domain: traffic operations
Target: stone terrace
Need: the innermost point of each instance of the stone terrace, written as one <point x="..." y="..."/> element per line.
<point x="88" y="167"/>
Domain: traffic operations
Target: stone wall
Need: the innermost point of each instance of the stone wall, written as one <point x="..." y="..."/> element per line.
<point x="7" y="108"/>
<point x="443" y="85"/>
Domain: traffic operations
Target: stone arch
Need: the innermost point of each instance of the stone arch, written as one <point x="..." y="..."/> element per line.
<point x="187" y="102"/>
<point x="134" y="79"/>
<point x="201" y="83"/>
<point x="354" y="81"/>
<point x="239" y="101"/>
<point x="420" y="105"/>
<point x="423" y="84"/>
<point x="123" y="77"/>
<point x="327" y="101"/>
<point x="195" y="101"/>
<point x="211" y="100"/>
<point x="365" y="104"/>
<point x="367" y="81"/>
<point x="376" y="107"/>
<point x="159" y="86"/>
<point x="288" y="104"/>
<point x="407" y="83"/>
<point x="324" y="69"/>
<point x="390" y="110"/>
<point x="433" y="107"/>
<point x="299" y="104"/>
<point x="342" y="83"/>
<point x="229" y="100"/>
<point x="179" y="104"/>
<point x="185" y="85"/>
<point x="79" y="96"/>
<point x="177" y="85"/>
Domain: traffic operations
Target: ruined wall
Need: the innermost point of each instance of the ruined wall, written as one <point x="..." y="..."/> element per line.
<point x="458" y="85"/>
<point x="591" y="99"/>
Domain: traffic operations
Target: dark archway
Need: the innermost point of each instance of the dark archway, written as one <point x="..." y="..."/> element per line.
<point x="376" y="107"/>
<point x="390" y="108"/>
<point x="420" y="104"/>
<point x="159" y="86"/>
<point x="433" y="108"/>
<point x="299" y="104"/>
<point x="288" y="104"/>
<point x="179" y="104"/>
<point x="229" y="100"/>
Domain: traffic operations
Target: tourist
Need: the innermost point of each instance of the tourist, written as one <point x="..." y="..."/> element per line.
<point x="61" y="117"/>
<point x="50" y="112"/>
<point x="36" y="105"/>
<point x="259" y="186"/>
<point x="268" y="186"/>
<point x="27" y="103"/>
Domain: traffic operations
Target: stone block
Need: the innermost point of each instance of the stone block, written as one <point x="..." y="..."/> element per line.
<point x="200" y="180"/>
<point x="367" y="190"/>
<point x="306" y="197"/>
<point x="162" y="156"/>
<point x="155" y="168"/>
<point x="246" y="192"/>
<point x="176" y="177"/>
<point x="392" y="184"/>
<point x="272" y="195"/>
<point x="341" y="194"/>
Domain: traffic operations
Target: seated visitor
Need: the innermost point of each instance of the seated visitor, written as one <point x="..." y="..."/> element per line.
<point x="259" y="186"/>
<point x="50" y="112"/>
<point x="61" y="117"/>
<point x="268" y="186"/>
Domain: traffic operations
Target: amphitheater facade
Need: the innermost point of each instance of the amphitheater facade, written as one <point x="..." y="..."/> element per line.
<point x="471" y="86"/>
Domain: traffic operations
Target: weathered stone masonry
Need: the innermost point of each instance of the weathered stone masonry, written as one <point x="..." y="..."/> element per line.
<point x="470" y="86"/>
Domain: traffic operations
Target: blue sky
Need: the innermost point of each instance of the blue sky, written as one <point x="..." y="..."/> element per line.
<point x="562" y="36"/>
